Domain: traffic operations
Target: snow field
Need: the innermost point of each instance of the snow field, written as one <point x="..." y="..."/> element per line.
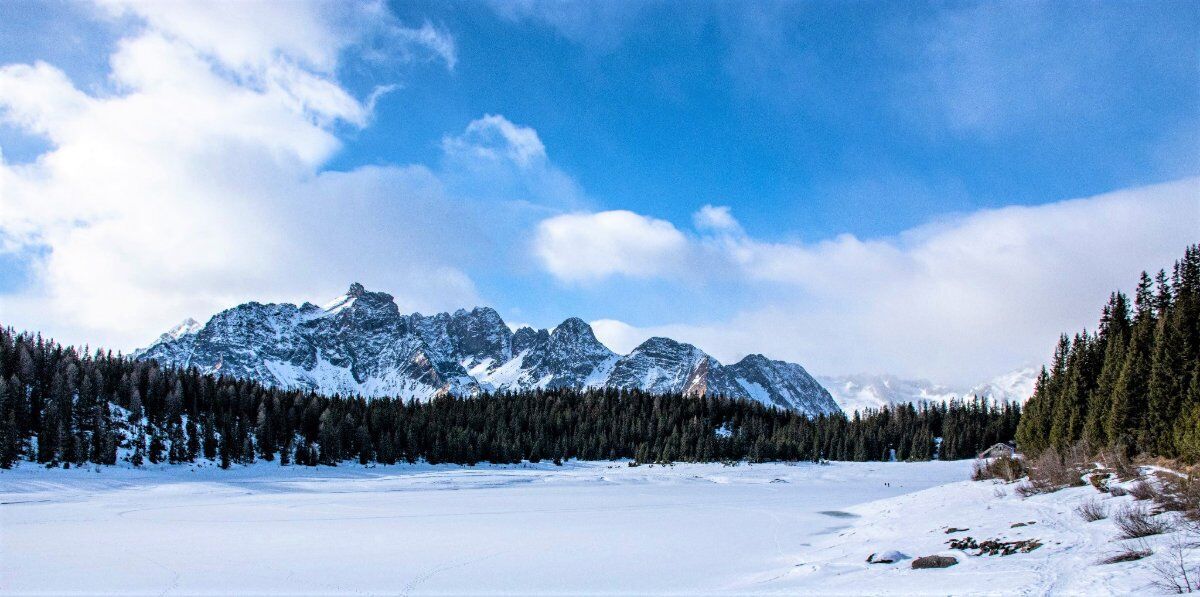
<point x="1068" y="562"/>
<point x="591" y="527"/>
<point x="586" y="527"/>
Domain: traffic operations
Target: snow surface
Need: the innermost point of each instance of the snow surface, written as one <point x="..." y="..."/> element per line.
<point x="583" y="527"/>
<point x="586" y="527"/>
<point x="916" y="524"/>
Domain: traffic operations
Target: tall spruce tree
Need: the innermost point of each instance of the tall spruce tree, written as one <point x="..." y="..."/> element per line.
<point x="1139" y="374"/>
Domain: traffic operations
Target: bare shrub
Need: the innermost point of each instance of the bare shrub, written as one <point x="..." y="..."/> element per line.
<point x="1035" y="486"/>
<point x="1135" y="521"/>
<point x="1175" y="570"/>
<point x="1116" y="460"/>
<point x="1142" y="490"/>
<point x="1006" y="468"/>
<point x="1055" y="470"/>
<point x="1128" y="554"/>
<point x="1091" y="511"/>
<point x="1178" y="494"/>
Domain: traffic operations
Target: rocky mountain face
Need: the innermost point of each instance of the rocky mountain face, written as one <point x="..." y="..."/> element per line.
<point x="361" y="344"/>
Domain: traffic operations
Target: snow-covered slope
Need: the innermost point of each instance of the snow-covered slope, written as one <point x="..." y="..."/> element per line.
<point x="781" y="383"/>
<point x="1071" y="558"/>
<point x="664" y="365"/>
<point x="859" y="392"/>
<point x="360" y="343"/>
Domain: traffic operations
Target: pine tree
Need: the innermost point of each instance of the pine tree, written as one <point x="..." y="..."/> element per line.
<point x="1187" y="428"/>
<point x="1130" y="400"/>
<point x="1165" y="391"/>
<point x="10" y="445"/>
<point x="157" y="450"/>
<point x="193" y="440"/>
<point x="1033" y="433"/>
<point x="1114" y="332"/>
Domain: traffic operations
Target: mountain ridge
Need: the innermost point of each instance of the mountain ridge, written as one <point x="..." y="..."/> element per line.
<point x="360" y="344"/>
<point x="863" y="391"/>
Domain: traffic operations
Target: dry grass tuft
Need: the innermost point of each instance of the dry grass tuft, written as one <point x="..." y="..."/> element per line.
<point x="1135" y="521"/>
<point x="1092" y="510"/>
<point x="1142" y="490"/>
<point x="1128" y="554"/>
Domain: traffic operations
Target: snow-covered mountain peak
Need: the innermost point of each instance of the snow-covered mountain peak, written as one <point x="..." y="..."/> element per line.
<point x="782" y="384"/>
<point x="576" y="331"/>
<point x="359" y="343"/>
<point x="346" y="300"/>
<point x="526" y="337"/>
<point x="862" y="391"/>
<point x="756" y="360"/>
<point x="183" y="328"/>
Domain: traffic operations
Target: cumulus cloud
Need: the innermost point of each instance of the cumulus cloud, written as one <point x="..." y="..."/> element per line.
<point x="313" y="33"/>
<point x="195" y="180"/>
<point x="717" y="218"/>
<point x="618" y="336"/>
<point x="588" y="247"/>
<point x="958" y="300"/>
<point x="495" y="138"/>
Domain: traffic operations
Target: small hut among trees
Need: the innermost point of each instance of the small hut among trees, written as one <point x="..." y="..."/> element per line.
<point x="1004" y="449"/>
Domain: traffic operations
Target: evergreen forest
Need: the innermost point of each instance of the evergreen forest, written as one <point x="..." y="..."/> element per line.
<point x="62" y="406"/>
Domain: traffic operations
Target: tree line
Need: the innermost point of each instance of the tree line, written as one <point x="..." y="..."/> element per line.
<point x="1134" y="384"/>
<point x="66" y="406"/>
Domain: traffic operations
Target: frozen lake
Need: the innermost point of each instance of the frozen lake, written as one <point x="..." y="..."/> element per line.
<point x="585" y="527"/>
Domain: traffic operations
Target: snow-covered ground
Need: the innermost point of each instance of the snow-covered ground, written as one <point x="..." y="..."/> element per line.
<point x="580" y="528"/>
<point x="917" y="524"/>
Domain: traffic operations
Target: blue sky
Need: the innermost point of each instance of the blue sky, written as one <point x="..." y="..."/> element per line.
<point x="857" y="158"/>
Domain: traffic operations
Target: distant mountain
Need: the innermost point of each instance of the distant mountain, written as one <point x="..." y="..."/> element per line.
<point x="361" y="344"/>
<point x="858" y="392"/>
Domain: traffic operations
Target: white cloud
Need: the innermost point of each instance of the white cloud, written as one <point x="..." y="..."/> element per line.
<point x="493" y="137"/>
<point x="958" y="300"/>
<point x="252" y="35"/>
<point x="715" y="218"/>
<point x="195" y="181"/>
<point x="432" y="38"/>
<point x="586" y="247"/>
<point x="618" y="336"/>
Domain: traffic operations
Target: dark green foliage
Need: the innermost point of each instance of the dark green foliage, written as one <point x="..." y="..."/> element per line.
<point x="87" y="405"/>
<point x="1133" y="385"/>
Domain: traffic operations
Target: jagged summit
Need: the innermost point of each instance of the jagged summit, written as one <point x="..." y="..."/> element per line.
<point x="183" y="328"/>
<point x="574" y="326"/>
<point x="345" y="301"/>
<point x="360" y="343"/>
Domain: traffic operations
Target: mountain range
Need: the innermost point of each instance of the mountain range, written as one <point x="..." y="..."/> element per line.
<point x="360" y="344"/>
<point x="859" y="392"/>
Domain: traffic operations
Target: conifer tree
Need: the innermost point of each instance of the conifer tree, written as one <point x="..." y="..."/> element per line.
<point x="1114" y="333"/>
<point x="10" y="446"/>
<point x="1187" y="428"/>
